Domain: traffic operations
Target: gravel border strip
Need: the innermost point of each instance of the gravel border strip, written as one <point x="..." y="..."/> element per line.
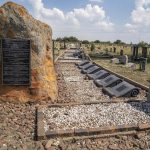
<point x="42" y="135"/>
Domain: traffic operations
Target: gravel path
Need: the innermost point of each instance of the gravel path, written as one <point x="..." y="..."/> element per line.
<point x="98" y="115"/>
<point x="17" y="127"/>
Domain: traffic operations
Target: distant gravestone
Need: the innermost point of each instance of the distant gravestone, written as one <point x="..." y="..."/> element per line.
<point x="115" y="61"/>
<point x="15" y="62"/>
<point x="143" y="63"/>
<point x="114" y="49"/>
<point x="145" y="52"/>
<point x="121" y="52"/>
<point x="131" y="65"/>
<point x="124" y="59"/>
<point x="106" y="51"/>
<point x="135" y="52"/>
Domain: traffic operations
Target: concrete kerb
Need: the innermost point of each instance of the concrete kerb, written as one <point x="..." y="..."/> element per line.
<point x="40" y="125"/>
<point x="95" y="102"/>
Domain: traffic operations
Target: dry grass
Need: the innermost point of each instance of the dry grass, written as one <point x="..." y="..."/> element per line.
<point x="136" y="75"/>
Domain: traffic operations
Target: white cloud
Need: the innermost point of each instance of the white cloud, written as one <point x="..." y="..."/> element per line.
<point x="91" y="18"/>
<point x="140" y="16"/>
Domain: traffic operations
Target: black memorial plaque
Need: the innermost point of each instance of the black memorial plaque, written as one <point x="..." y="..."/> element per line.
<point x="16" y="61"/>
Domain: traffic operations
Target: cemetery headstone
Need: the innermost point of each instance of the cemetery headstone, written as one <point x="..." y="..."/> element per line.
<point x="135" y="51"/>
<point x="121" y="52"/>
<point x="131" y="65"/>
<point x="143" y="63"/>
<point x="114" y="61"/>
<point x="145" y="52"/>
<point x="124" y="59"/>
<point x="106" y="51"/>
<point x="114" y="49"/>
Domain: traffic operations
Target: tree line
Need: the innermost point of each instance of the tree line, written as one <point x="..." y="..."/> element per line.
<point x="118" y="42"/>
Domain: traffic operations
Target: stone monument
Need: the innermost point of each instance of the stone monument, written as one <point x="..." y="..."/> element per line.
<point x="17" y="23"/>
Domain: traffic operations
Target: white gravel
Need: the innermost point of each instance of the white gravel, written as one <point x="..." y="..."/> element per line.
<point x="96" y="115"/>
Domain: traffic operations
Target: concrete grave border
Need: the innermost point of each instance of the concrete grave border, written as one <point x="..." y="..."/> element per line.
<point x="87" y="132"/>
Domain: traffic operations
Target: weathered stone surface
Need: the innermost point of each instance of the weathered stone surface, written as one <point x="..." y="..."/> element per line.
<point x="15" y="22"/>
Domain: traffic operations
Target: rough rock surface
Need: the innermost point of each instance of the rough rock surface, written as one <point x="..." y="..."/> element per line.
<point x="15" y="22"/>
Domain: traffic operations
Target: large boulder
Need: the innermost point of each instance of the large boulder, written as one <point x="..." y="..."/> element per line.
<point x="15" y="22"/>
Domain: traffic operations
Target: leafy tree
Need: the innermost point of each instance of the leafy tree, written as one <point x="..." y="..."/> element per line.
<point x="97" y="41"/>
<point x="59" y="39"/>
<point x="68" y="39"/>
<point x="142" y="44"/>
<point x="85" y="42"/>
<point x="118" y="42"/>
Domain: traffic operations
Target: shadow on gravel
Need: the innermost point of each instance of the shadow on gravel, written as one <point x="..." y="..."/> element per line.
<point x="141" y="106"/>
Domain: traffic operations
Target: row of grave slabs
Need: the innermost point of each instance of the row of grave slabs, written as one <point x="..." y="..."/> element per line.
<point x="112" y="84"/>
<point x="43" y="133"/>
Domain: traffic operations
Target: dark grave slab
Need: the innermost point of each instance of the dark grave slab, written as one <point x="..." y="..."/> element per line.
<point x="83" y="63"/>
<point x="123" y="89"/>
<point x="109" y="81"/>
<point x="98" y="75"/>
<point x="15" y="62"/>
<point x="87" y="66"/>
<point x="80" y="67"/>
<point x="90" y="70"/>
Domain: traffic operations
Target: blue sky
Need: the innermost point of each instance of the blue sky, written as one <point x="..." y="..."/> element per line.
<point x="128" y="20"/>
